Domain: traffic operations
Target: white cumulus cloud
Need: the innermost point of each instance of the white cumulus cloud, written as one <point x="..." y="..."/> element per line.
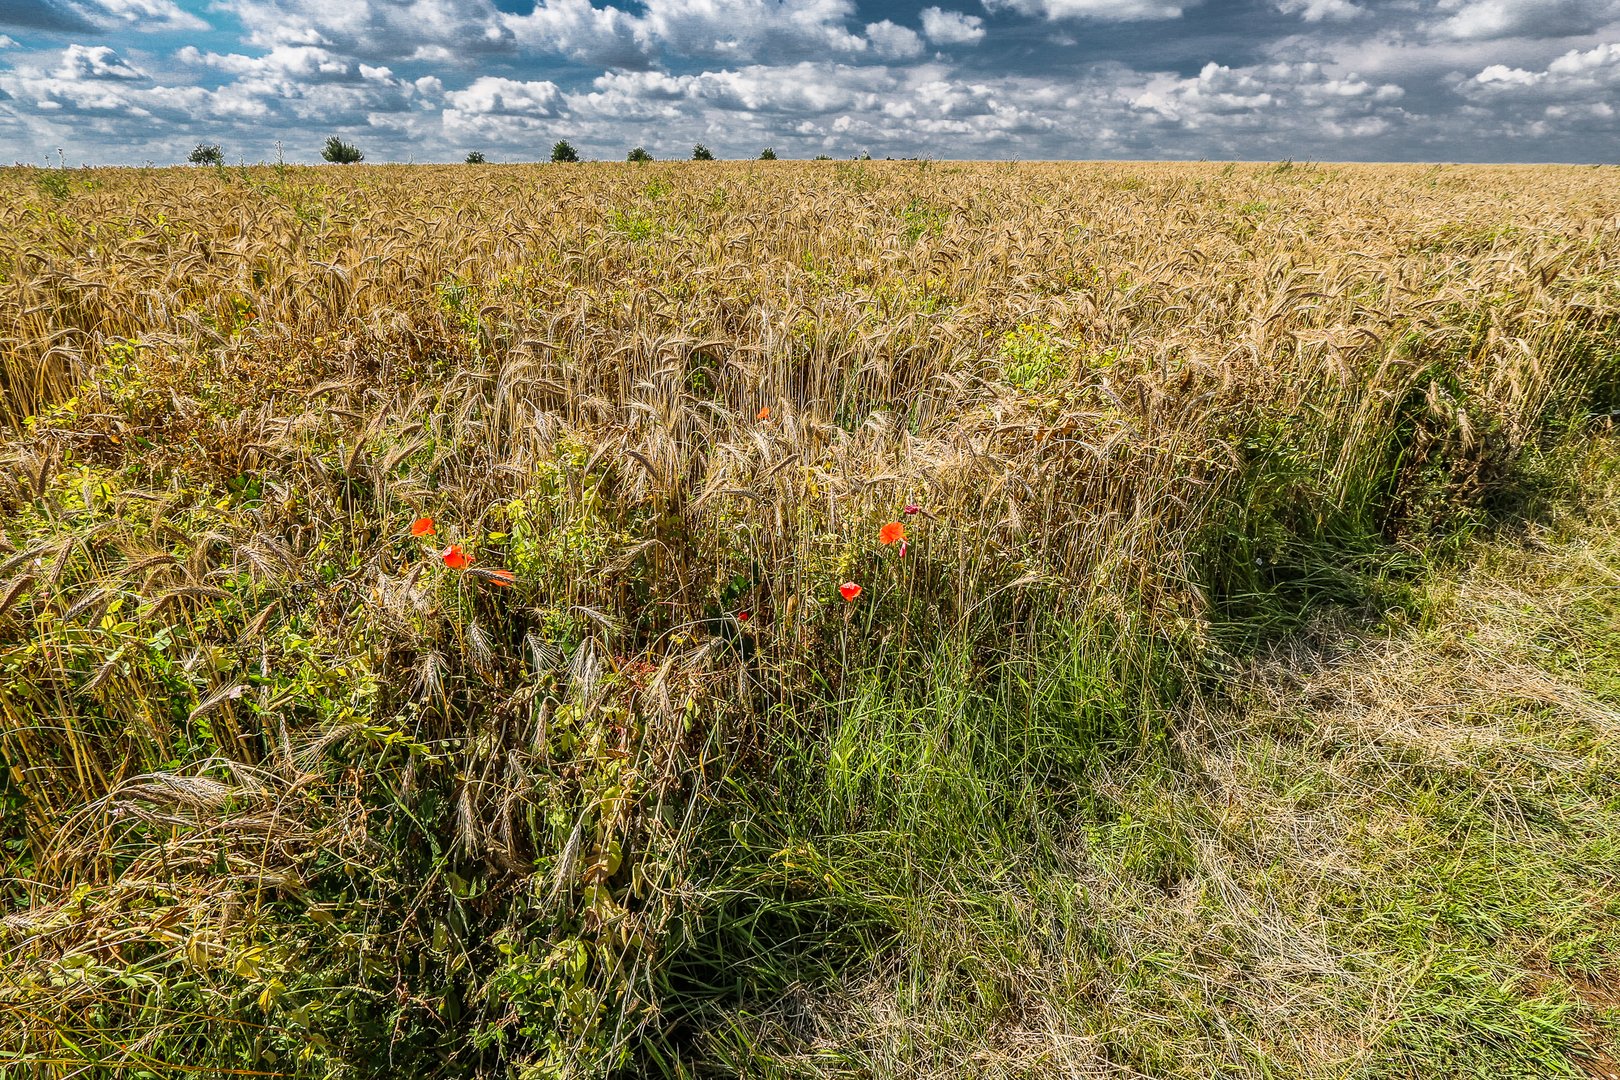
<point x="1321" y="10"/>
<point x="1098" y="10"/>
<point x="1571" y="101"/>
<point x="951" y="27"/>
<point x="1577" y="73"/>
<point x="1272" y="98"/>
<point x="94" y="62"/>
<point x="1487" y="20"/>
<point x="894" y="41"/>
<point x="145" y="15"/>
<point x="489" y="94"/>
<point x="305" y="63"/>
<point x="505" y="110"/>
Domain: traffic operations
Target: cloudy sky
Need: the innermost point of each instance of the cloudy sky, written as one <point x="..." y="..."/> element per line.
<point x="131" y="81"/>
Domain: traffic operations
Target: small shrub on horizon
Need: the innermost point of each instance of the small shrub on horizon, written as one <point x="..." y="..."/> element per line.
<point x="341" y="153"/>
<point x="207" y="154"/>
<point x="563" y="152"/>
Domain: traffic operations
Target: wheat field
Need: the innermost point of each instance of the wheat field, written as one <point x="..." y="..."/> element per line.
<point x="449" y="624"/>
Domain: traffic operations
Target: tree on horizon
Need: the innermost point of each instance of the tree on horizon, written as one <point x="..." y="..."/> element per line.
<point x="341" y="153"/>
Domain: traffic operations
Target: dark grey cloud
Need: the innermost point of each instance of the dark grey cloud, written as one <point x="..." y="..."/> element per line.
<point x="77" y="16"/>
<point x="41" y="15"/>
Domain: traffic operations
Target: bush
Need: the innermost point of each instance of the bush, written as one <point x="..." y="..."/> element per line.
<point x="341" y="153"/>
<point x="207" y="154"/>
<point x="767" y="154"/>
<point x="476" y="157"/>
<point x="702" y="153"/>
<point x="638" y="154"/>
<point x="563" y="151"/>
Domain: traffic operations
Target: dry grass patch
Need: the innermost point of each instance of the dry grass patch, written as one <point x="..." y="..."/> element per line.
<point x="1394" y="855"/>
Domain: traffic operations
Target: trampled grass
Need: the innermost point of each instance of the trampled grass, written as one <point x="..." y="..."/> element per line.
<point x="1240" y="700"/>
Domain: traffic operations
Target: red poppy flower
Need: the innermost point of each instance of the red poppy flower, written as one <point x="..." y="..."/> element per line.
<point x="455" y="558"/>
<point x="892" y="533"/>
<point x="913" y="508"/>
<point x="422" y="526"/>
<point x="849" y="591"/>
<point x="504" y="578"/>
<point x="743" y="616"/>
<point x="764" y="414"/>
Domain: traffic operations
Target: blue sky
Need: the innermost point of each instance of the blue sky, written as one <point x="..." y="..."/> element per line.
<point x="131" y="81"/>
